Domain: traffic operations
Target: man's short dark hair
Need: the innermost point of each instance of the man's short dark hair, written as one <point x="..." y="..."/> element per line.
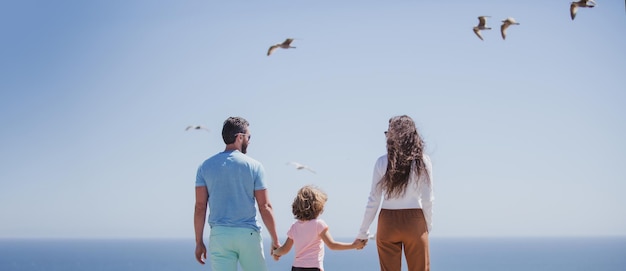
<point x="232" y="127"/>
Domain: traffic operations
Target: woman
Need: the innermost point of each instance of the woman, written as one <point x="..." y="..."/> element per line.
<point x="402" y="180"/>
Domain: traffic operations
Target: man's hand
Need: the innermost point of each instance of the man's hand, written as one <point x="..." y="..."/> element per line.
<point x="274" y="246"/>
<point x="201" y="253"/>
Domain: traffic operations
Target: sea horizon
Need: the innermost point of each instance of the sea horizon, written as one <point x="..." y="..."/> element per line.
<point x="336" y="237"/>
<point x="604" y="253"/>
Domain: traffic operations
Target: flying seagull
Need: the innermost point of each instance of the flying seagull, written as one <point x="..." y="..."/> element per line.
<point x="573" y="8"/>
<point x="285" y="45"/>
<point x="482" y="21"/>
<point x="196" y="127"/>
<point x="301" y="166"/>
<point x="505" y="24"/>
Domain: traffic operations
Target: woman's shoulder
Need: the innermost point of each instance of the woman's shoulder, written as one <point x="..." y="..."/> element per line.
<point x="381" y="165"/>
<point x="427" y="160"/>
<point x="382" y="159"/>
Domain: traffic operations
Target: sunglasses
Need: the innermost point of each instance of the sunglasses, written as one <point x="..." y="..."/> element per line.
<point x="249" y="135"/>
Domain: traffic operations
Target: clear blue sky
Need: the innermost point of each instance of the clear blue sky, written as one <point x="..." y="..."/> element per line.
<point x="526" y="135"/>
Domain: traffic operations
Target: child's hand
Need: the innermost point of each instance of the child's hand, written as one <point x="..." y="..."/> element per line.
<point x="276" y="257"/>
<point x="359" y="243"/>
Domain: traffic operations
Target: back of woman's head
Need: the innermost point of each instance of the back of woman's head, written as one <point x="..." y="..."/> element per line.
<point x="405" y="147"/>
<point x="308" y="203"/>
<point x="403" y="140"/>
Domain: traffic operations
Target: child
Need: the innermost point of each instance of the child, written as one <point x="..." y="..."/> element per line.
<point x="309" y="234"/>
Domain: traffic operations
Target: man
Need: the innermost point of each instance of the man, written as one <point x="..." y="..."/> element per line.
<point x="230" y="182"/>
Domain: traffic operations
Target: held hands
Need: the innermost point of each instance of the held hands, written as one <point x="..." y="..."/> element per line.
<point x="359" y="243"/>
<point x="275" y="246"/>
<point x="275" y="256"/>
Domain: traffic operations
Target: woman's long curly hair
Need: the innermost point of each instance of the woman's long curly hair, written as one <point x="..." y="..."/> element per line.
<point x="309" y="203"/>
<point x="405" y="148"/>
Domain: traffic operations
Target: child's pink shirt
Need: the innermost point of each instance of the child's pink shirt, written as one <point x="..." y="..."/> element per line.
<point x="307" y="242"/>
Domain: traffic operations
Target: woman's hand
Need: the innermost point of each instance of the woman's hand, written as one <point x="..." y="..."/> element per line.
<point x="359" y="243"/>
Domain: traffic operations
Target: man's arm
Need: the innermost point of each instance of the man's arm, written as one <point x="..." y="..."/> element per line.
<point x="267" y="214"/>
<point x="199" y="219"/>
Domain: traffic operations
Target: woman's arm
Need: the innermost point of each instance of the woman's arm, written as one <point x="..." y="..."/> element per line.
<point x="334" y="245"/>
<point x="427" y="194"/>
<point x="375" y="198"/>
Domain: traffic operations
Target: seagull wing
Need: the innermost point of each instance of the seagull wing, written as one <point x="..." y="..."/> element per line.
<point x="572" y="10"/>
<point x="503" y="30"/>
<point x="272" y="48"/>
<point x="196" y="127"/>
<point x="287" y="42"/>
<point x="511" y="21"/>
<point x="296" y="164"/>
<point x="482" y="21"/>
<point x="301" y="166"/>
<point x="477" y="32"/>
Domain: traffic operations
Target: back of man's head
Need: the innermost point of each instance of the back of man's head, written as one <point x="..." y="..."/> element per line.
<point x="232" y="127"/>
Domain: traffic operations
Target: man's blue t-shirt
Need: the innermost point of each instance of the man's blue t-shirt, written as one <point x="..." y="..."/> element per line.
<point x="231" y="178"/>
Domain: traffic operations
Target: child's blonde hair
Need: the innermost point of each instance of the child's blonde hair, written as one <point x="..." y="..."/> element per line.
<point x="308" y="203"/>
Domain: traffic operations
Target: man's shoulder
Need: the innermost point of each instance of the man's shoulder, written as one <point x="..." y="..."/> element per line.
<point x="215" y="157"/>
<point x="247" y="159"/>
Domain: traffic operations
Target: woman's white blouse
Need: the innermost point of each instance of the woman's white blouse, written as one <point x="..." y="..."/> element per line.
<point x="419" y="194"/>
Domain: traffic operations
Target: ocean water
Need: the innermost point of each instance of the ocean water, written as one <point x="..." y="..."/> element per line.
<point x="447" y="254"/>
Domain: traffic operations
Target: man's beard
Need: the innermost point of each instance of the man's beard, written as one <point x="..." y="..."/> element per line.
<point x="244" y="148"/>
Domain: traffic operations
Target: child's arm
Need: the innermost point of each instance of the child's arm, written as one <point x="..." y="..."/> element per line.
<point x="284" y="249"/>
<point x="334" y="245"/>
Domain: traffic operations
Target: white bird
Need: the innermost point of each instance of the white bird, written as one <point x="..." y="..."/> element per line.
<point x="573" y="8"/>
<point x="196" y="127"/>
<point x="482" y="21"/>
<point x="285" y="45"/>
<point x="301" y="166"/>
<point x="505" y="24"/>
